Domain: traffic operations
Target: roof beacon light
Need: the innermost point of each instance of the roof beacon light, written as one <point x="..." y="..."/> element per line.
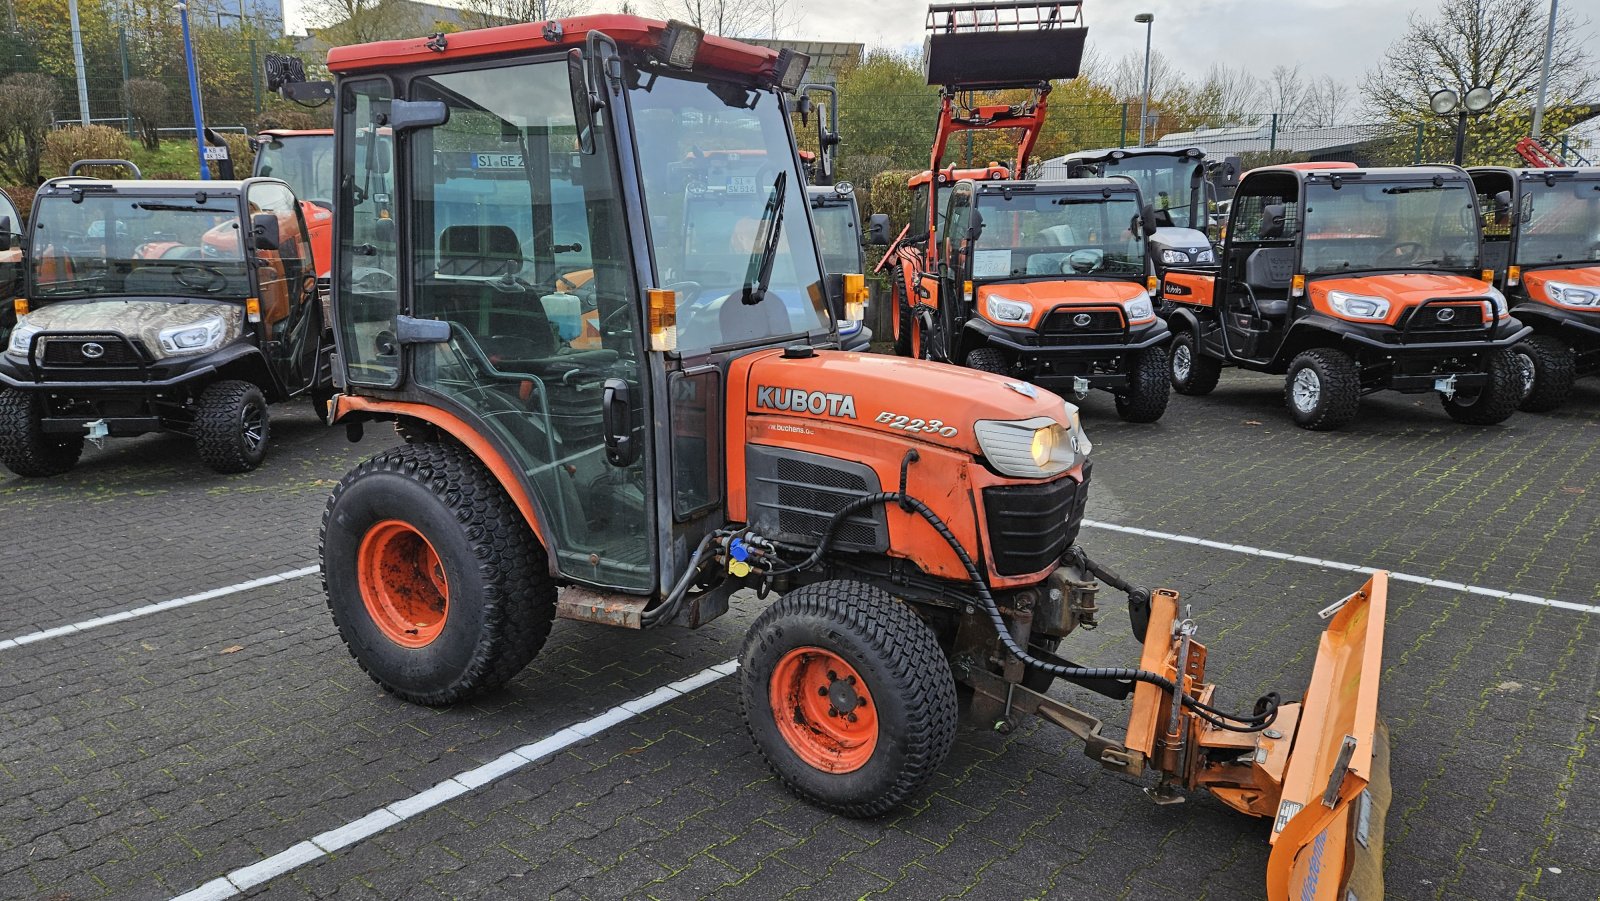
<point x="680" y="44"/>
<point x="790" y="69"/>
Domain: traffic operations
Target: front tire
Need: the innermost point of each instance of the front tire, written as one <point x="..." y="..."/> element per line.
<point x="1496" y="400"/>
<point x="1553" y="371"/>
<point x="1193" y="373"/>
<point x="903" y="322"/>
<point x="25" y="449"/>
<point x="1323" y="389"/>
<point x="988" y="359"/>
<point x="1149" y="386"/>
<point x="439" y="589"/>
<point x="231" y="427"/>
<point x="848" y="697"/>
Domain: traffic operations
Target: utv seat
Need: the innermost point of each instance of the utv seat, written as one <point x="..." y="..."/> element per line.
<point x="1270" y="270"/>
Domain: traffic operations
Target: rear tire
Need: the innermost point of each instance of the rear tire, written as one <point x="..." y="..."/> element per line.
<point x="1193" y="373"/>
<point x="231" y="426"/>
<point x="903" y="323"/>
<point x="25" y="449"/>
<point x="1496" y="400"/>
<point x="1554" y="372"/>
<point x="829" y="647"/>
<point x="1322" y="389"/>
<point x="1149" y="386"/>
<point x="439" y="589"/>
<point x="988" y="359"/>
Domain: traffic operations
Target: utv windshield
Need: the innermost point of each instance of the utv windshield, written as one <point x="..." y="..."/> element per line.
<point x="104" y="246"/>
<point x="1560" y="222"/>
<point x="727" y="211"/>
<point x="1058" y="234"/>
<point x="304" y="161"/>
<point x="1390" y="225"/>
<point x="1167" y="183"/>
<point x="836" y="233"/>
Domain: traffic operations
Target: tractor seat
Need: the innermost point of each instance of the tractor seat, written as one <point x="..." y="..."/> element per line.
<point x="479" y="251"/>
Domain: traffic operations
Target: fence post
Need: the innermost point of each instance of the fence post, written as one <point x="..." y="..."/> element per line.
<point x="1272" y="140"/>
<point x="255" y="78"/>
<point x="1416" y="157"/>
<point x="1122" y="137"/>
<point x="127" y="106"/>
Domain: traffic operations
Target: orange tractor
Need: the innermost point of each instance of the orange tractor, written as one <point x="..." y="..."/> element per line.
<point x="1040" y="280"/>
<point x="917" y="521"/>
<point x="304" y="160"/>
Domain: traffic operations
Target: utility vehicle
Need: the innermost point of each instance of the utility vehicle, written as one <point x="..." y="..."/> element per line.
<point x="1349" y="281"/>
<point x="11" y="260"/>
<point x="1541" y="237"/>
<point x="834" y="212"/>
<point x="916" y="519"/>
<point x="181" y="306"/>
<point x="303" y="159"/>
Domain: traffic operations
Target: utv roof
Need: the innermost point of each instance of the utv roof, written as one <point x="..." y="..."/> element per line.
<point x="633" y="32"/>
<point x="1351" y="170"/>
<point x="1106" y="153"/>
<point x="1061" y="186"/>
<point x="144" y="186"/>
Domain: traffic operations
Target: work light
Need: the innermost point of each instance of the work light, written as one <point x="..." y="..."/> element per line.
<point x="790" y="69"/>
<point x="680" y="44"/>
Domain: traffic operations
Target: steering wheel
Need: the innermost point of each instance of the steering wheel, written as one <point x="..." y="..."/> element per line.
<point x="214" y="282"/>
<point x="374" y="281"/>
<point x="1407" y="251"/>
<point x="1082" y="262"/>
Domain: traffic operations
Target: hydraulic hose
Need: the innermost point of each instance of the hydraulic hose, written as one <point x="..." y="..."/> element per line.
<point x="668" y="608"/>
<point x="1266" y="708"/>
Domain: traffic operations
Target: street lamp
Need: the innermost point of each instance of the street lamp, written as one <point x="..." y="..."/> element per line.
<point x="1445" y="101"/>
<point x="194" y="91"/>
<point x="1145" y="19"/>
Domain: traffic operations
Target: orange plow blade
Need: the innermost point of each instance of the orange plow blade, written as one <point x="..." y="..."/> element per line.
<point x="1327" y="838"/>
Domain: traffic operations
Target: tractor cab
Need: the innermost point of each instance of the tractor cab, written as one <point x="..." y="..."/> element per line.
<point x="1541" y="238"/>
<point x="837" y="219"/>
<point x="183" y="306"/>
<point x="1173" y="182"/>
<point x="12" y="230"/>
<point x="1350" y="281"/>
<point x="304" y="161"/>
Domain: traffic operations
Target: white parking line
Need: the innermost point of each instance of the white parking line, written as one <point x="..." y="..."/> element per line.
<point x="136" y="612"/>
<point x="1350" y="567"/>
<point x="314" y="848"/>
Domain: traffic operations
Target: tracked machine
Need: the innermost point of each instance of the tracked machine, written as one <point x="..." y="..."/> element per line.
<point x="916" y="522"/>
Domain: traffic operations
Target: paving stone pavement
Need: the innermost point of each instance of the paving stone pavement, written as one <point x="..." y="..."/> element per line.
<point x="147" y="757"/>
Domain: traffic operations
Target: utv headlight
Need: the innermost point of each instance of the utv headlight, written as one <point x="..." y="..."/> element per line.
<point x="1140" y="309"/>
<point x="1174" y="256"/>
<point x="1497" y="304"/>
<point x="1572" y="295"/>
<point x="196" y="338"/>
<point x="1203" y="256"/>
<point x="21" y="338"/>
<point x="1031" y="448"/>
<point x="1009" y="311"/>
<point x="1358" y="306"/>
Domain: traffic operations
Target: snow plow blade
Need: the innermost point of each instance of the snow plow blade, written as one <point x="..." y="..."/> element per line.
<point x="1327" y="837"/>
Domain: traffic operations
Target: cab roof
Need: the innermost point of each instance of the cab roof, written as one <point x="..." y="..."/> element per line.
<point x="1106" y="153"/>
<point x="162" y="186"/>
<point x="1351" y="170"/>
<point x="295" y="133"/>
<point x="950" y="175"/>
<point x="628" y="31"/>
<point x="1061" y="186"/>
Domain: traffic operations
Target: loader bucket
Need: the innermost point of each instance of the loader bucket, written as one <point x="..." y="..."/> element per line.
<point x="1327" y="839"/>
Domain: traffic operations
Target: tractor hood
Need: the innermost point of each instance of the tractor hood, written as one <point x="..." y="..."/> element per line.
<point x="916" y="399"/>
<point x="141" y="319"/>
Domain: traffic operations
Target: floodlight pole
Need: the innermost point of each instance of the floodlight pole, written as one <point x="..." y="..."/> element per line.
<point x="1148" y="20"/>
<point x="77" y="62"/>
<point x="1461" y="136"/>
<point x="1544" y="72"/>
<point x="194" y="93"/>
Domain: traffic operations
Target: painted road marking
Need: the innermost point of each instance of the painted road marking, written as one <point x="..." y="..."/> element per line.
<point x="315" y="848"/>
<point x="1350" y="567"/>
<point x="136" y="612"/>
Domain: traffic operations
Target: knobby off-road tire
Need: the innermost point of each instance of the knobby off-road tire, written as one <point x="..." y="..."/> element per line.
<point x="1149" y="386"/>
<point x="25" y="449"/>
<point x="1496" y="400"/>
<point x="427" y="518"/>
<point x="1192" y="373"/>
<point x="1322" y="389"/>
<point x="829" y="646"/>
<point x="1554" y="372"/>
<point x="988" y="359"/>
<point x="232" y="427"/>
<point x="902" y="305"/>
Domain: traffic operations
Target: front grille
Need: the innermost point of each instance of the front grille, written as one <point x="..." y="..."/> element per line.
<point x="1442" y="321"/>
<point x="1061" y="327"/>
<point x="793" y="495"/>
<point x="1030" y="526"/>
<point x="114" y="351"/>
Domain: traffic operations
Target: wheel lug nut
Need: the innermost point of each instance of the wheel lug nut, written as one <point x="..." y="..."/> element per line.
<point x="851" y="680"/>
<point x="822" y="690"/>
<point x="832" y="712"/>
<point x="833" y="676"/>
<point x="852" y="717"/>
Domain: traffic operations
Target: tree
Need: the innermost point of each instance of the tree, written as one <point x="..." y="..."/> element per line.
<point x="147" y="103"/>
<point x="732" y="18"/>
<point x="341" y="22"/>
<point x="489" y="13"/>
<point x="27" y="110"/>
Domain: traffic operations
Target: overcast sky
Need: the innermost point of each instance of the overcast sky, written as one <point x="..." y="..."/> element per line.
<point x="1342" y="38"/>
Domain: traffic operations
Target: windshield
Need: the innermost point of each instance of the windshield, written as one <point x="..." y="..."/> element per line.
<point x="1560" y="222"/>
<point x="304" y="161"/>
<point x="713" y="159"/>
<point x="1390" y="225"/>
<point x="144" y="245"/>
<point x="836" y="233"/>
<point x="1057" y="234"/>
<point x="1169" y="184"/>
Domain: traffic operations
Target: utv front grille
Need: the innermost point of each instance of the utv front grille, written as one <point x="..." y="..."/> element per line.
<point x="1439" y="320"/>
<point x="1030" y="526"/>
<point x="1067" y="326"/>
<point x="793" y="495"/>
<point x="89" y="352"/>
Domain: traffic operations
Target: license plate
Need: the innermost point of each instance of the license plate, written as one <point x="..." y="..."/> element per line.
<point x="742" y="184"/>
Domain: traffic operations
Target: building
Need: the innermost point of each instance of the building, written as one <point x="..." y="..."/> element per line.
<point x="828" y="58"/>
<point x="1315" y="144"/>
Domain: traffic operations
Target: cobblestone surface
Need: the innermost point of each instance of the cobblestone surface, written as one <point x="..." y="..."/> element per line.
<point x="146" y="757"/>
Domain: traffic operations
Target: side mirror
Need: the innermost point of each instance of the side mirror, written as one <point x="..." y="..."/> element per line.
<point x="1273" y="217"/>
<point x="405" y="115"/>
<point x="264" y="230"/>
<point x="975" y="226"/>
<point x="582" y="100"/>
<point x="1146" y="220"/>
<point x="878" y="228"/>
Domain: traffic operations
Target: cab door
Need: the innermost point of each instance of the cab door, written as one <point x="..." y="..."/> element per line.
<point x="286" y="284"/>
<point x="11" y="260"/>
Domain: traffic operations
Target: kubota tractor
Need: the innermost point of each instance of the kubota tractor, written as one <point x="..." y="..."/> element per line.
<point x="916" y="520"/>
<point x="834" y="211"/>
<point x="1026" y="278"/>
<point x="1541" y="236"/>
<point x="304" y="161"/>
<point x="1349" y="281"/>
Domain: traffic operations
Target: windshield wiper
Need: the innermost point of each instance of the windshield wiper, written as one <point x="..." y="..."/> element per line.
<point x="179" y="208"/>
<point x="760" y="271"/>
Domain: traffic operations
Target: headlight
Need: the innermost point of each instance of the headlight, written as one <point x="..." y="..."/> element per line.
<point x="188" y="339"/>
<point x="1358" y="306"/>
<point x="1572" y="295"/>
<point x="1174" y="256"/>
<point x="1032" y="448"/>
<point x="21" y="337"/>
<point x="1003" y="310"/>
<point x="1497" y="303"/>
<point x="1204" y="256"/>
<point x="1140" y="309"/>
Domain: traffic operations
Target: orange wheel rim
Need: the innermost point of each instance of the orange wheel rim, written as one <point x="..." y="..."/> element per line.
<point x="403" y="584"/>
<point x="823" y="710"/>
